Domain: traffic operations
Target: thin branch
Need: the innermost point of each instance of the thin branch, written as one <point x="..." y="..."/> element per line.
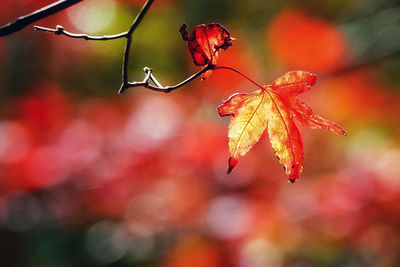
<point x="59" y="30"/>
<point x="128" y="37"/>
<point x="165" y="89"/>
<point x="154" y="80"/>
<point x="156" y="86"/>
<point x="46" y="11"/>
<point x="125" y="61"/>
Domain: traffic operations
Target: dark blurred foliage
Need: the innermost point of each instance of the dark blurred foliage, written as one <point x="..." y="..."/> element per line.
<point x="91" y="178"/>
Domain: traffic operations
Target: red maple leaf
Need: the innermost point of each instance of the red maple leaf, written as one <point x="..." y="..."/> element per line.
<point x="273" y="107"/>
<point x="205" y="43"/>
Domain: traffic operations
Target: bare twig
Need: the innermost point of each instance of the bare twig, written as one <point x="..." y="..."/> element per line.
<point x="165" y="89"/>
<point x="59" y="30"/>
<point x="149" y="77"/>
<point x="128" y="37"/>
<point x="24" y="21"/>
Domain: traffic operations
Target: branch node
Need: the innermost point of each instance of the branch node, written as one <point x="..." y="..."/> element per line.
<point x="122" y="89"/>
<point x="59" y="30"/>
<point x="147" y="69"/>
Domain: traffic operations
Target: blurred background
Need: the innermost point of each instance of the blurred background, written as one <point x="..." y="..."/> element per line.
<point x="92" y="178"/>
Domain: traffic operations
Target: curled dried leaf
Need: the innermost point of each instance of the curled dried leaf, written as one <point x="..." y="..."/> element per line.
<point x="205" y="43"/>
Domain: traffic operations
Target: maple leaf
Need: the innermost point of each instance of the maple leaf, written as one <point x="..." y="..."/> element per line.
<point x="205" y="43"/>
<point x="273" y="107"/>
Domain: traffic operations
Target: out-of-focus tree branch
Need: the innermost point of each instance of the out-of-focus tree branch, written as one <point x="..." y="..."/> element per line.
<point x="364" y="63"/>
<point x="46" y="11"/>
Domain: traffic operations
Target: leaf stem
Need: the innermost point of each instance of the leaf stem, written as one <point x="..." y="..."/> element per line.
<point x="240" y="73"/>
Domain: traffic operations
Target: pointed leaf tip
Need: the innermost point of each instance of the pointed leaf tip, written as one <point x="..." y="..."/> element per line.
<point x="229" y="170"/>
<point x="184" y="33"/>
<point x="223" y="111"/>
<point x="231" y="164"/>
<point x="312" y="79"/>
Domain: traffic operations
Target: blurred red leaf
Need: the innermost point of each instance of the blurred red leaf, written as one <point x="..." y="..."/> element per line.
<point x="205" y="43"/>
<point x="301" y="41"/>
<point x="274" y="107"/>
<point x="44" y="109"/>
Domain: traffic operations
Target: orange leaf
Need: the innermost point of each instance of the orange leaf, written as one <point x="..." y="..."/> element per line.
<point x="289" y="86"/>
<point x="274" y="107"/>
<point x="205" y="43"/>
